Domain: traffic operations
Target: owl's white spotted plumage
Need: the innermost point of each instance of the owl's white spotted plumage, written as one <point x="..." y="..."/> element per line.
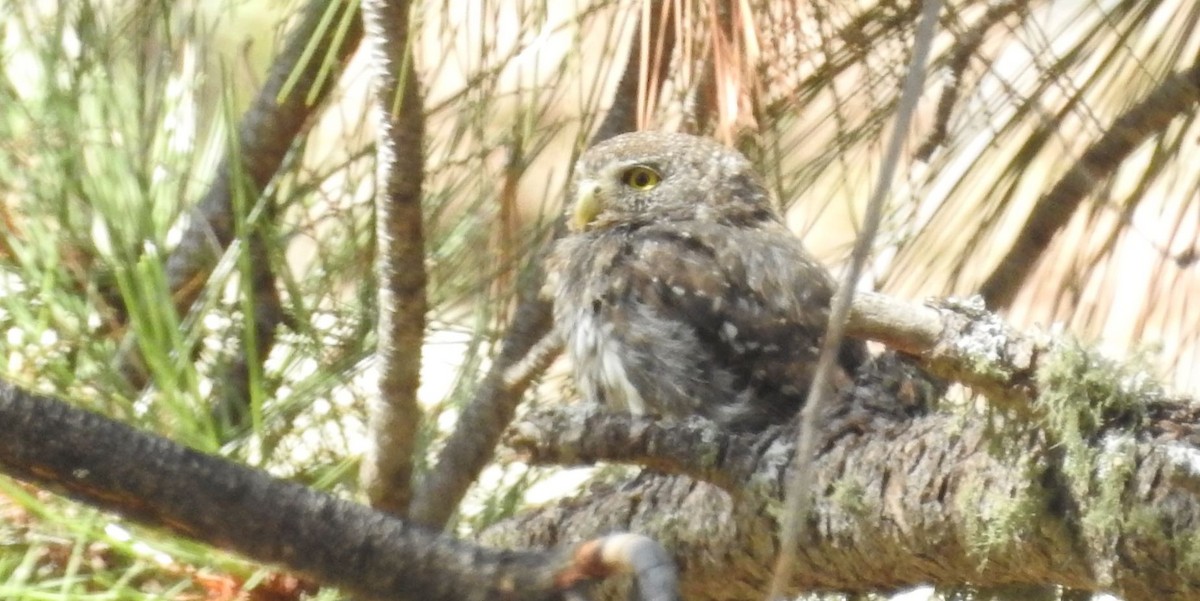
<point x="679" y="291"/>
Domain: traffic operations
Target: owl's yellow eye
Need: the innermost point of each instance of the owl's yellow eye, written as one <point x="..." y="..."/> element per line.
<point x="640" y="177"/>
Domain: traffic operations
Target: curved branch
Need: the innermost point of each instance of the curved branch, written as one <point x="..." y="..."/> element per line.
<point x="297" y="82"/>
<point x="957" y="340"/>
<point x="696" y="448"/>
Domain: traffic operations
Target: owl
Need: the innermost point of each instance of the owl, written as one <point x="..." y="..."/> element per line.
<point x="678" y="290"/>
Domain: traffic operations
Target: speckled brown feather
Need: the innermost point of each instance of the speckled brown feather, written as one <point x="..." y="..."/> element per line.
<point x="691" y="298"/>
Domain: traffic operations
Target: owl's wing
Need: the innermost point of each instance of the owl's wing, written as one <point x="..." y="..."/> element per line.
<point x="757" y="301"/>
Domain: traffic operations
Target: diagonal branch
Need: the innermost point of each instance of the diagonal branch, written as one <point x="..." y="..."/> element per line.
<point x="295" y="85"/>
<point x="162" y="484"/>
<point x="472" y="444"/>
<point x="297" y="82"/>
<point x="393" y="414"/>
<point x="965" y="47"/>
<point x="1175" y="96"/>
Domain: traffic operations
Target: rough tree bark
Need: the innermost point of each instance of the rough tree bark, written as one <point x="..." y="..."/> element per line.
<point x="374" y="555"/>
<point x="1079" y="475"/>
<point x="929" y="502"/>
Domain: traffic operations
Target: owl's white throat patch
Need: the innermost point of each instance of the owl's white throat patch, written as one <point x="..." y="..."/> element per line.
<point x="600" y="366"/>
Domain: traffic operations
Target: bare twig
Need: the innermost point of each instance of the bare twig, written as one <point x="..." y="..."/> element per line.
<point x="394" y="415"/>
<point x="586" y="435"/>
<point x="967" y="45"/>
<point x="799" y="497"/>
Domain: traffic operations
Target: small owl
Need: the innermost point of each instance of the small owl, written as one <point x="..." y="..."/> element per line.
<point x="678" y="290"/>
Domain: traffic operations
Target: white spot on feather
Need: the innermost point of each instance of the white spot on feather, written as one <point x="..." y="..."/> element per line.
<point x="728" y="331"/>
<point x="600" y="367"/>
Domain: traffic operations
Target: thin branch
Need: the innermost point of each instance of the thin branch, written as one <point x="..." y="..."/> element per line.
<point x="472" y="444"/>
<point x="964" y="50"/>
<point x="394" y="416"/>
<point x="799" y="497"/>
<point x="887" y="392"/>
<point x="263" y="311"/>
<point x="296" y="84"/>
<point x="697" y="448"/>
<point x="1175" y="96"/>
<point x="957" y="340"/>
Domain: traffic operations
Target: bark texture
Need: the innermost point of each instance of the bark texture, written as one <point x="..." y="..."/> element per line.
<point x="942" y="500"/>
<point x="374" y="555"/>
<point x="394" y="416"/>
<point x="1091" y="484"/>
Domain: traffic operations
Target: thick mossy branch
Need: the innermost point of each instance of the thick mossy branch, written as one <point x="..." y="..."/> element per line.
<point x="1083" y="397"/>
<point x="960" y="341"/>
<point x="1080" y="391"/>
<point x="998" y="521"/>
<point x="1089" y="479"/>
<point x="928" y="502"/>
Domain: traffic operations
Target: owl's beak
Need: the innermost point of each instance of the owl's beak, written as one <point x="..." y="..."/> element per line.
<point x="588" y="204"/>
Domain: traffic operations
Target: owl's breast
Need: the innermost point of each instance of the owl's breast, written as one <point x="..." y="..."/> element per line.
<point x="601" y="372"/>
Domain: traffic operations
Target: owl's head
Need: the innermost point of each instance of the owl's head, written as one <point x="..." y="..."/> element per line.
<point x="655" y="177"/>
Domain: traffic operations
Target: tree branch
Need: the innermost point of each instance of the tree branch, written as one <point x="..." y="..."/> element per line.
<point x="966" y="45"/>
<point x="1093" y="467"/>
<point x="296" y="83"/>
<point x="797" y="504"/>
<point x="394" y="416"/>
<point x="1177" y="94"/>
<point x="161" y="484"/>
<point x="931" y="502"/>
<point x="697" y="448"/>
